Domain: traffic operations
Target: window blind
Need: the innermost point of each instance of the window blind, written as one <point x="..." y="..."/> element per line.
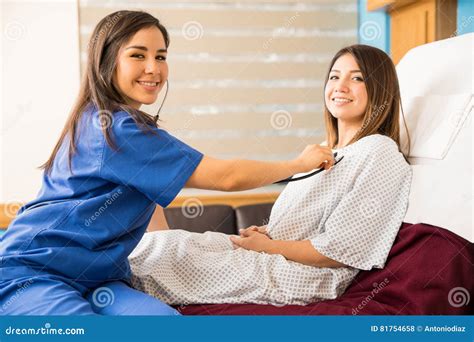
<point x="246" y="77"/>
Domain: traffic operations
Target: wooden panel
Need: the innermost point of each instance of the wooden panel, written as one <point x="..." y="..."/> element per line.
<point x="232" y="200"/>
<point x="8" y="212"/>
<point x="446" y="18"/>
<point x="388" y="5"/>
<point x="411" y="26"/>
<point x="376" y="5"/>
<point x="415" y="23"/>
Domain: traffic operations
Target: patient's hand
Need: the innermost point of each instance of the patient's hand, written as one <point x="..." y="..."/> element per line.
<point x="251" y="239"/>
<point x="260" y="229"/>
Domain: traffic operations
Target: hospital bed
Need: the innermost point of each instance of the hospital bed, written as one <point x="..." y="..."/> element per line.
<point x="429" y="270"/>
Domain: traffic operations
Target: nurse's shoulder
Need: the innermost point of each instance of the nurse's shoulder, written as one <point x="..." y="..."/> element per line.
<point x="125" y="130"/>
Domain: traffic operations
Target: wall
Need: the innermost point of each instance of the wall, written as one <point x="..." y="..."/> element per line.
<point x="40" y="78"/>
<point x="465" y="16"/>
<point x="374" y="27"/>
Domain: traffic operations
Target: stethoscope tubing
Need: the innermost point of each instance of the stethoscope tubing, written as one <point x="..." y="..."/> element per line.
<point x="291" y="179"/>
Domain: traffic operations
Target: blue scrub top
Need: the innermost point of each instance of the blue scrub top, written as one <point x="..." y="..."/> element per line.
<point x="84" y="224"/>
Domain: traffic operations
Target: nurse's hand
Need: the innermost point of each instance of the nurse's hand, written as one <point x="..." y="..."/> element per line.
<point x="260" y="229"/>
<point x="315" y="157"/>
<point x="252" y="240"/>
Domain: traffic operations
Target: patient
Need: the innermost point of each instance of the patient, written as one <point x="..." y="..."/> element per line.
<point x="323" y="229"/>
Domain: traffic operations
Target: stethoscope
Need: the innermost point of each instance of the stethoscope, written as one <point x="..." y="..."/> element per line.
<point x="291" y="179"/>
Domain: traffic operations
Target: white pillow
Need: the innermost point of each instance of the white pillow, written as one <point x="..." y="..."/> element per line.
<point x="436" y="83"/>
<point x="434" y="122"/>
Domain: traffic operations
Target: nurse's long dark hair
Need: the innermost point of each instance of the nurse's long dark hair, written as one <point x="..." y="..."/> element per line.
<point x="97" y="87"/>
<point x="382" y="115"/>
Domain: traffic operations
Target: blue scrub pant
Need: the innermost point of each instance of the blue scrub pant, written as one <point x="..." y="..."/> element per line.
<point x="44" y="295"/>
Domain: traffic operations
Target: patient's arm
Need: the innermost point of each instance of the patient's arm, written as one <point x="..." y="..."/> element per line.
<point x="298" y="251"/>
<point x="302" y="252"/>
<point x="158" y="220"/>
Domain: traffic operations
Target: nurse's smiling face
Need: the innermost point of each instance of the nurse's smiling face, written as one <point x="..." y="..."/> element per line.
<point x="142" y="69"/>
<point x="345" y="93"/>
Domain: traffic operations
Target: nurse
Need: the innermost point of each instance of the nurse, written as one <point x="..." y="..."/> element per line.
<point x="66" y="252"/>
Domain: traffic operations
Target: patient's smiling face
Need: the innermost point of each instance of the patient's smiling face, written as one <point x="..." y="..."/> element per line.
<point x="345" y="93"/>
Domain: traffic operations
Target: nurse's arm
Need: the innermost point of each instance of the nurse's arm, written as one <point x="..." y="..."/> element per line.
<point x="240" y="174"/>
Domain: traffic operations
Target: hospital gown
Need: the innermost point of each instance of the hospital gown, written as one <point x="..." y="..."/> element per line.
<point x="350" y="214"/>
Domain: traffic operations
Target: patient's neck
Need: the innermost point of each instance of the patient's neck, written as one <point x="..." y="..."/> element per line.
<point x="346" y="131"/>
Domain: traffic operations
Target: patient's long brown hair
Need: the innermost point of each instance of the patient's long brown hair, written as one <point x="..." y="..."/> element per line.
<point x="383" y="108"/>
<point x="97" y="86"/>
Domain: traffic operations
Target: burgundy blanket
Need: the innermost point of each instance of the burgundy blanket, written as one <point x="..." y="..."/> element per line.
<point x="429" y="271"/>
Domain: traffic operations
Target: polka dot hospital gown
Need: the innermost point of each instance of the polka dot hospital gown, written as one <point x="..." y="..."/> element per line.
<point x="350" y="214"/>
